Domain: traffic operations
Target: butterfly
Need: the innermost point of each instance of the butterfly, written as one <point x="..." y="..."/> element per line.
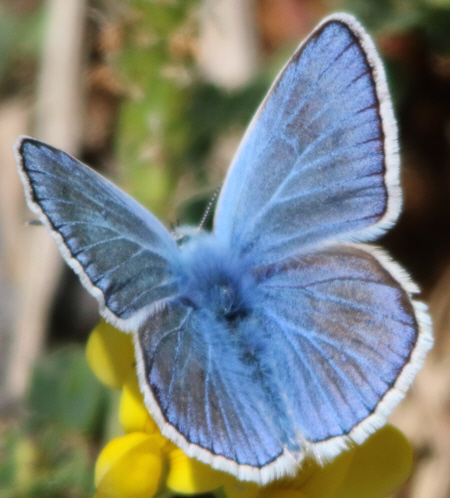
<point x="281" y="333"/>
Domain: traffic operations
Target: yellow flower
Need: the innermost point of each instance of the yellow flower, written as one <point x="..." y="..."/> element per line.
<point x="129" y="466"/>
<point x="143" y="461"/>
<point x="110" y="355"/>
<point x="189" y="476"/>
<point x="133" y="414"/>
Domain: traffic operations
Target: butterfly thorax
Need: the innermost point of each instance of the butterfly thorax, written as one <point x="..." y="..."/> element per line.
<point x="216" y="280"/>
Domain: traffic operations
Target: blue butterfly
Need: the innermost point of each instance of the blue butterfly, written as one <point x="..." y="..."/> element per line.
<point x="280" y="334"/>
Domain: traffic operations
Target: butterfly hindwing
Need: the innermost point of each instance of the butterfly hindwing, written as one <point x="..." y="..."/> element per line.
<point x="219" y="409"/>
<point x="319" y="160"/>
<point x="345" y="328"/>
<point x="123" y="254"/>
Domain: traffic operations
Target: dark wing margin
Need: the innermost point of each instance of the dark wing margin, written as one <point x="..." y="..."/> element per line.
<point x="319" y="161"/>
<point x="123" y="255"/>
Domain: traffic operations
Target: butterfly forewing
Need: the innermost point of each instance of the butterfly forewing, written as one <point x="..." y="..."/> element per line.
<point x="314" y="163"/>
<point x="115" y="245"/>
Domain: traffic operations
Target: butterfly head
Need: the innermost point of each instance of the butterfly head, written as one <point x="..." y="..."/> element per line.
<point x="215" y="280"/>
<point x="184" y="234"/>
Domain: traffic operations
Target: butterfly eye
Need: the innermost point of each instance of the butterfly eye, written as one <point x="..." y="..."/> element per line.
<point x="184" y="234"/>
<point x="182" y="239"/>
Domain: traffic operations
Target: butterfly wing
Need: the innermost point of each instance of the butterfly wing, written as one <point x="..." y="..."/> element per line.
<point x="123" y="254"/>
<point x="319" y="160"/>
<point x="349" y="340"/>
<point x="204" y="397"/>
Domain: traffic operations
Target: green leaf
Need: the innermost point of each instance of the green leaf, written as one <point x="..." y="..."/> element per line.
<point x="64" y="390"/>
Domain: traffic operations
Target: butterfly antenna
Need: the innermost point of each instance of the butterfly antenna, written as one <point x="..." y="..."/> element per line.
<point x="208" y="208"/>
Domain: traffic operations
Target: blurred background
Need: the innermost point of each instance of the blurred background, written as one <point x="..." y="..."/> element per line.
<point x="156" y="95"/>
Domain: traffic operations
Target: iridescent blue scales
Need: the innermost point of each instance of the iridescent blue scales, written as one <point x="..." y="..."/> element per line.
<point x="280" y="334"/>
